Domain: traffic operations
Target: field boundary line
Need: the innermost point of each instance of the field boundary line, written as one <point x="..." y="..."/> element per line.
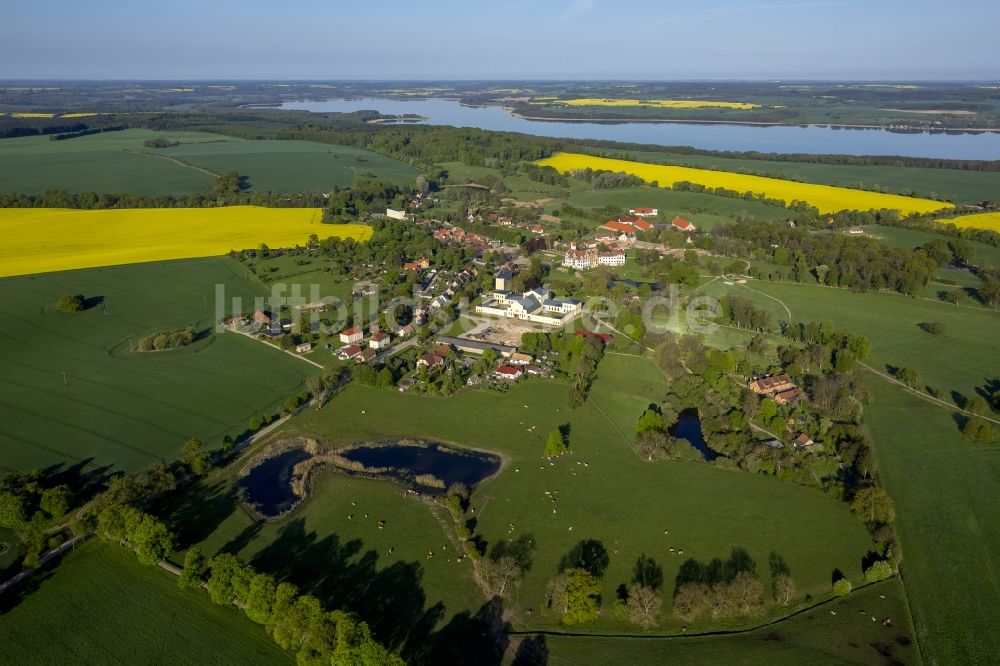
<point x="172" y="159"/>
<point x="929" y="398"/>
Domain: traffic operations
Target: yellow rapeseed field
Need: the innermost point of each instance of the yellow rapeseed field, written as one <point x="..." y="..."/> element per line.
<point x="989" y="221"/>
<point x="661" y="103"/>
<point x="42" y="240"/>
<point x="86" y="114"/>
<point x="826" y="198"/>
<point x="25" y="114"/>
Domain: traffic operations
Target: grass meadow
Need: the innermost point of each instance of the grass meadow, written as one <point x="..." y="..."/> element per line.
<point x="826" y="198"/>
<point x="119" y="162"/>
<point x="605" y="492"/>
<point x="42" y="240"/>
<point x="100" y="606"/>
<point x="942" y="483"/>
<point x="75" y="395"/>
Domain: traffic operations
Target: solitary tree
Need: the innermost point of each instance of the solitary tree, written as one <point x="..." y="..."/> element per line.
<point x="873" y="505"/>
<point x="555" y="445"/>
<point x="71" y="303"/>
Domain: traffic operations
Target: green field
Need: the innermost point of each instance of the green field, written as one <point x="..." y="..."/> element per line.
<point x="118" y="162"/>
<point x="705" y="210"/>
<point x="74" y="393"/>
<point x="100" y="606"/>
<point x="846" y="635"/>
<point x="616" y="498"/>
<point x="950" y="529"/>
<point x="986" y="255"/>
<point x="962" y="186"/>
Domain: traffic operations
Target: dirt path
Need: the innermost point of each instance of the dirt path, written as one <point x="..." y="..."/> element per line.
<point x="290" y="353"/>
<point x="175" y="161"/>
<point x="929" y="398"/>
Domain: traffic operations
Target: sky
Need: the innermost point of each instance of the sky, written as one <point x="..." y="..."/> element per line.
<point x="515" y="39"/>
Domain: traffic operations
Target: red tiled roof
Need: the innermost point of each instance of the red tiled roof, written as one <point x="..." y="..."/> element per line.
<point x="508" y="370"/>
<point x="380" y="336"/>
<point x="643" y="225"/>
<point x="616" y="225"/>
<point x="681" y="223"/>
<point x="606" y="337"/>
<point x="642" y="210"/>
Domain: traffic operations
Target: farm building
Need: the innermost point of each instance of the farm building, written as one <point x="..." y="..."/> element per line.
<point x="681" y="224"/>
<point x="770" y="385"/>
<point x="536" y="306"/>
<point x="644" y="212"/>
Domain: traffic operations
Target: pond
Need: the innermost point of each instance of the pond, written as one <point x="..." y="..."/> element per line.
<point x="268" y="486"/>
<point x="778" y="138"/>
<point x="688" y="427"/>
<point x="406" y="462"/>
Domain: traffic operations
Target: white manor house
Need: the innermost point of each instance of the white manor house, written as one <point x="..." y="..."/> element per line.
<point x="536" y="306"/>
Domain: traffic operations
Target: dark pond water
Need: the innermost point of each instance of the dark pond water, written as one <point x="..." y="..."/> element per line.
<point x="468" y="467"/>
<point x="653" y="286"/>
<point x="269" y="485"/>
<point x="688" y="427"/>
<point x="780" y="138"/>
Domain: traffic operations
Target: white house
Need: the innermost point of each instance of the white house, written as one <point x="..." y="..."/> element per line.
<point x="536" y="306"/>
<point x="614" y="257"/>
<point x="395" y="214"/>
<point x="352" y="335"/>
<point x="379" y="340"/>
<point x="644" y="212"/>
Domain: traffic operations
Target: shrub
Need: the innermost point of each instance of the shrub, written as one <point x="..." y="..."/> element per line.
<point x="878" y="571"/>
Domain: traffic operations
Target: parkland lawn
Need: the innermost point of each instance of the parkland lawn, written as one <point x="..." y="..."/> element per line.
<point x="604" y="491"/>
<point x="941" y="481"/>
<point x="100" y="606"/>
<point x="119" y="162"/>
<point x="74" y="393"/>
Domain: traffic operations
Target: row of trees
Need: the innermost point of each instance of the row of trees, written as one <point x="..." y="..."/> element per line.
<point x="297" y="622"/>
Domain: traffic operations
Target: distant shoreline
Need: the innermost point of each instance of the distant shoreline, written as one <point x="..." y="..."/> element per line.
<point x="757" y="123"/>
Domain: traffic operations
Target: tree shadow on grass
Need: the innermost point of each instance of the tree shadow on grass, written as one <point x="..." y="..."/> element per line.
<point x="532" y="652"/>
<point x="194" y="512"/>
<point x="343" y="575"/>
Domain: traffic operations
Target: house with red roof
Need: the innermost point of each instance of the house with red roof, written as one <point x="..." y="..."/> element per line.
<point x="644" y="212"/>
<point x="348" y="352"/>
<point x="379" y="340"/>
<point x="681" y="224"/>
<point x="508" y="372"/>
<point x="352" y="335"/>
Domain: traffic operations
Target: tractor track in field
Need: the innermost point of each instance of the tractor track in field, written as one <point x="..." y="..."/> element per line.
<point x="78" y="428"/>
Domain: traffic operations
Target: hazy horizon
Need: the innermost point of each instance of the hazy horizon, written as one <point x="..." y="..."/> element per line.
<point x="561" y="40"/>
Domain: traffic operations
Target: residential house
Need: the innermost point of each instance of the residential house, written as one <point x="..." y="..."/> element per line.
<point x="261" y="318"/>
<point x="352" y="335"/>
<point x="365" y="355"/>
<point x="613" y="257"/>
<point x="517" y="358"/>
<point x="430" y="361"/>
<point x="405" y="331"/>
<point x="508" y="372"/>
<point x="379" y="340"/>
<point x="347" y="352"/>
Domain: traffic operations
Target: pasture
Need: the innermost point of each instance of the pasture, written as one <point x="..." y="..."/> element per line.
<point x="119" y="162"/>
<point x="950" y="532"/>
<point x="602" y="491"/>
<point x="75" y="395"/>
<point x="826" y="198"/>
<point x="983" y="255"/>
<point x="42" y="240"/>
<point x="101" y="606"/>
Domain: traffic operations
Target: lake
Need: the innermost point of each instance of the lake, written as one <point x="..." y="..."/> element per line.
<point x="780" y="138"/>
<point x="688" y="427"/>
<point x="409" y="461"/>
<point x="268" y="486"/>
